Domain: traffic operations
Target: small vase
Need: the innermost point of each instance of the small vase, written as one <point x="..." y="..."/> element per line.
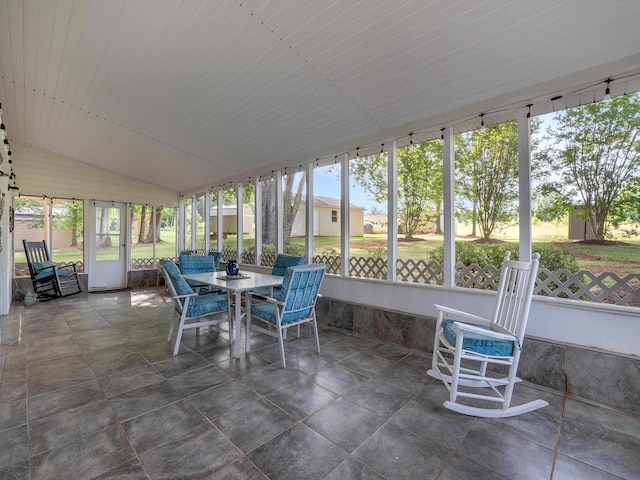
<point x="232" y="267"/>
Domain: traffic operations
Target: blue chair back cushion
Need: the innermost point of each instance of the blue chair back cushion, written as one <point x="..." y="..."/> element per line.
<point x="478" y="343"/>
<point x="197" y="264"/>
<point x="180" y="284"/>
<point x="299" y="303"/>
<point x="284" y="261"/>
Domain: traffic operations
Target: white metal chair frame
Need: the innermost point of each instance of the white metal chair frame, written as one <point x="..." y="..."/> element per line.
<point x="508" y="324"/>
<point x="186" y="322"/>
<point x="297" y="297"/>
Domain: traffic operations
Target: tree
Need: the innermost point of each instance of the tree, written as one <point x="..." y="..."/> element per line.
<point x="487" y="174"/>
<point x="419" y="183"/>
<point x="292" y="196"/>
<point x="70" y="218"/>
<point x="596" y="156"/>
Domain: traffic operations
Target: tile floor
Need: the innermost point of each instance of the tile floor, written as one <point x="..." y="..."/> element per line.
<point x="89" y="390"/>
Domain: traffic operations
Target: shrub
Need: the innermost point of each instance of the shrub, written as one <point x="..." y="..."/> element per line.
<point x="483" y="254"/>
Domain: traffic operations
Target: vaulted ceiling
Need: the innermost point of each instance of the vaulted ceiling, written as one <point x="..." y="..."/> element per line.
<point x="190" y="94"/>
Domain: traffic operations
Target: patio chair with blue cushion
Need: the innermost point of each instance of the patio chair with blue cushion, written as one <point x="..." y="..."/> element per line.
<point x="465" y="344"/>
<point x="283" y="261"/>
<point x="194" y="310"/>
<point x="198" y="264"/>
<point x="291" y="306"/>
<point x="50" y="280"/>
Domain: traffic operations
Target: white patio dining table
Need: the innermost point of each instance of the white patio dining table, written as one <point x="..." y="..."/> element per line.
<point x="236" y="287"/>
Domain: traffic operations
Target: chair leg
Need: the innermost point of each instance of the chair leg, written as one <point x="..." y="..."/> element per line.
<point x="315" y="331"/>
<point x="179" y="336"/>
<point x="281" y="343"/>
<point x="172" y="325"/>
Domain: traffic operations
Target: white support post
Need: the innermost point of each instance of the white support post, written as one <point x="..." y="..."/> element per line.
<point x="182" y="224"/>
<point x="207" y="222"/>
<point x="448" y="158"/>
<point x="155" y="234"/>
<point x="240" y="220"/>
<point x="279" y="212"/>
<point x="524" y="186"/>
<point x="194" y="219"/>
<point x="219" y="220"/>
<point x="257" y="189"/>
<point x="392" y="212"/>
<point x="309" y="213"/>
<point x="345" y="207"/>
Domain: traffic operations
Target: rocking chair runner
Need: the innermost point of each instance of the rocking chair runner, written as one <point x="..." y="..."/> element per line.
<point x="465" y="344"/>
<point x="50" y="280"/>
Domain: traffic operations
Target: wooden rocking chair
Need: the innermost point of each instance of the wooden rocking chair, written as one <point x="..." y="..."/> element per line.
<point x="465" y="344"/>
<point x="50" y="280"/>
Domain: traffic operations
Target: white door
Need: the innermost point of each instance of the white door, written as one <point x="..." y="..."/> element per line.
<point x="106" y="246"/>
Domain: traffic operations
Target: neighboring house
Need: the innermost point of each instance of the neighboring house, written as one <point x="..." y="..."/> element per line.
<point x="579" y="229"/>
<point x="230" y="219"/>
<point x="326" y="218"/>
<point x="377" y="223"/>
<point x="23" y="230"/>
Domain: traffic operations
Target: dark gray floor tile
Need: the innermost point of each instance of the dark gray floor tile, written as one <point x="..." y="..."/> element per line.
<point x="302" y="398"/>
<point x="114" y="359"/>
<point x="45" y="376"/>
<point x="87" y="457"/>
<point x="271" y="378"/>
<point x="357" y="341"/>
<point x="390" y="352"/>
<point x="197" y="454"/>
<point x="130" y="379"/>
<point x="218" y="354"/>
<point x="401" y="455"/>
<point x="180" y="364"/>
<point x="142" y="400"/>
<point x="196" y="381"/>
<point x="297" y="453"/>
<point x="63" y="399"/>
<point x="254" y="424"/>
<point x="15" y="471"/>
<point x="338" y="379"/>
<point x="602" y="438"/>
<point x="241" y="470"/>
<point x="215" y="402"/>
<point x="418" y="360"/>
<point x="366" y="364"/>
<point x="345" y="424"/>
<point x="460" y="468"/>
<point x="425" y="416"/>
<point x="307" y="363"/>
<point x="542" y="425"/>
<point x="131" y="470"/>
<point x="13" y="413"/>
<point x="13" y="446"/>
<point x="238" y="367"/>
<point x="379" y="397"/>
<point x="405" y="377"/>
<point x="336" y="351"/>
<point x="352" y="469"/>
<point x="55" y="430"/>
<point x="163" y="425"/>
<point x="567" y="468"/>
<point x="507" y="453"/>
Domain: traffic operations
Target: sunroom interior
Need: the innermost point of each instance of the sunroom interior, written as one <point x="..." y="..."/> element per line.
<point x="164" y="104"/>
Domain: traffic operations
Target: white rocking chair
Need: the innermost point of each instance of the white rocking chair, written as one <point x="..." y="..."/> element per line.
<point x="465" y="344"/>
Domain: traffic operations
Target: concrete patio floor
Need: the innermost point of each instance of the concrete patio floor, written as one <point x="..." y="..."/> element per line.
<point x="89" y="390"/>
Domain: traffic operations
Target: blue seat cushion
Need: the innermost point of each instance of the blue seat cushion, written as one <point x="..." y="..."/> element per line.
<point x="267" y="312"/>
<point x="197" y="264"/>
<point x="476" y="342"/>
<point x="206" y="304"/>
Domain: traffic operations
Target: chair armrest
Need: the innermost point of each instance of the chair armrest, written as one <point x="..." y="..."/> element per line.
<point x="187" y="295"/>
<point x="483" y="331"/>
<point x="468" y="316"/>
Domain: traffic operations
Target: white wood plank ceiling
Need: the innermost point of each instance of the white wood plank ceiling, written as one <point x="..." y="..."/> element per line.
<point x="190" y="94"/>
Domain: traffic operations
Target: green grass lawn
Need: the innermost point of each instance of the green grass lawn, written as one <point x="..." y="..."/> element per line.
<point x="621" y="257"/>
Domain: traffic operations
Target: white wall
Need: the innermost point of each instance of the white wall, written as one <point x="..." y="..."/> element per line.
<point x="40" y="173"/>
<point x="608" y="327"/>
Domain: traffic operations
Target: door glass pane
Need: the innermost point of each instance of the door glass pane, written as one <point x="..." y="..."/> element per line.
<point x="107" y="233"/>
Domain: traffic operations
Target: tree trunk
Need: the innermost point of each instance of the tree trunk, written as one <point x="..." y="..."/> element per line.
<point x="268" y="213"/>
<point x="104" y="239"/>
<point x="143" y="224"/>
<point x="474" y="216"/>
<point x="154" y="227"/>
